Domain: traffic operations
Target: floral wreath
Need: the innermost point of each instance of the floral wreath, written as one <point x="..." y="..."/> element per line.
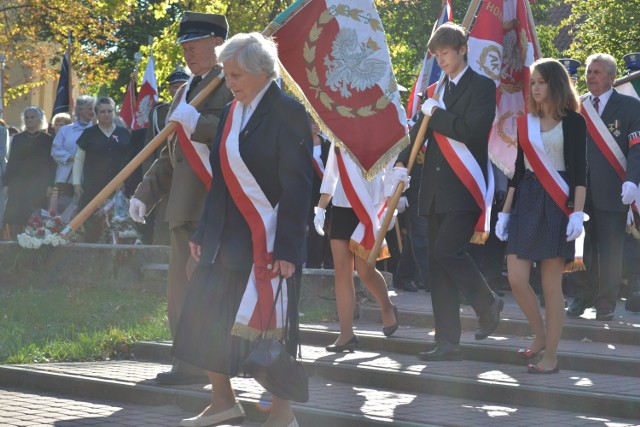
<point x="312" y="74"/>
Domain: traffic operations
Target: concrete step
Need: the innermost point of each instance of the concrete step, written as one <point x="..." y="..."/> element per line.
<point x="334" y="401"/>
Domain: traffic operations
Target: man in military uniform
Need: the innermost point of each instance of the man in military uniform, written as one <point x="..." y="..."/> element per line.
<point x="156" y="229"/>
<point x="571" y="65"/>
<point x="173" y="175"/>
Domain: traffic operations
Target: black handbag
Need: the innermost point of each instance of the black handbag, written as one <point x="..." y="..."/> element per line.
<point x="273" y="368"/>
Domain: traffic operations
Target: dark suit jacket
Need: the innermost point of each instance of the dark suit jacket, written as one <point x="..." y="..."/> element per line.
<point x="276" y="146"/>
<point x="574" y="131"/>
<point x="470" y="112"/>
<point x="603" y="182"/>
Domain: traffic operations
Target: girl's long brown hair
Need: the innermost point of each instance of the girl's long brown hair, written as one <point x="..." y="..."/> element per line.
<point x="562" y="94"/>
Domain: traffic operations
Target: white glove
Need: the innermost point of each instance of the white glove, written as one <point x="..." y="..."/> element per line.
<point x="575" y="225"/>
<point x="502" y="231"/>
<point x="318" y="219"/>
<point x="428" y="106"/>
<point x="401" y="174"/>
<point x="137" y="210"/>
<point x="187" y="116"/>
<point x="403" y="204"/>
<point x="629" y="192"/>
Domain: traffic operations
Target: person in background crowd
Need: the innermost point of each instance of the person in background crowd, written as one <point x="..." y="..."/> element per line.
<point x="571" y="65"/>
<point x="318" y="248"/>
<point x="173" y="175"/>
<point x="4" y="142"/>
<point x="540" y="226"/>
<point x="103" y="151"/>
<point x="613" y="139"/>
<point x="64" y="148"/>
<point x="412" y="272"/>
<point x="156" y="229"/>
<point x="465" y="115"/>
<point x="29" y="172"/>
<point x="348" y="252"/>
<point x="251" y="231"/>
<point x="59" y="120"/>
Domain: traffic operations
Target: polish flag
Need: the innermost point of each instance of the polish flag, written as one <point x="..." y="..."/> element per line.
<point x="147" y="97"/>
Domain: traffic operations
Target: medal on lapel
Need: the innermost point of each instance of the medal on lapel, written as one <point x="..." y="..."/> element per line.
<point x="615" y="128"/>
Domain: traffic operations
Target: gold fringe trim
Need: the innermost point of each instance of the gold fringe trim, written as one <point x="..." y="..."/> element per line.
<point x="631" y="229"/>
<point x="251" y="334"/>
<point x="575" y="265"/>
<point x="479" y="237"/>
<point x="378" y="166"/>
<point x="361" y="252"/>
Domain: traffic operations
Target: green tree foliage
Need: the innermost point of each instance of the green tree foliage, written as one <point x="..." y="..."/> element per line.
<point x="608" y="26"/>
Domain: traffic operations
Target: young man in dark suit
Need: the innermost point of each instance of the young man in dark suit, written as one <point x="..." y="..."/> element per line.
<point x="608" y="195"/>
<point x="465" y="115"/>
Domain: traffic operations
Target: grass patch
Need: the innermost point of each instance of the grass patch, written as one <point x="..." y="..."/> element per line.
<point x="77" y="324"/>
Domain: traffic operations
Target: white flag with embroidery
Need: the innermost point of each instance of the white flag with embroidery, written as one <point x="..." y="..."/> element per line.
<point x="501" y="47"/>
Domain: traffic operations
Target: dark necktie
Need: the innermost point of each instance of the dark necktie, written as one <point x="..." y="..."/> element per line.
<point x="450" y="87"/>
<point x="596" y="104"/>
<point x="194" y="83"/>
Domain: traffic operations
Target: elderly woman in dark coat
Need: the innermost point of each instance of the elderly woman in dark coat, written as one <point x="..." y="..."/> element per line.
<point x="252" y="229"/>
<point x="30" y="170"/>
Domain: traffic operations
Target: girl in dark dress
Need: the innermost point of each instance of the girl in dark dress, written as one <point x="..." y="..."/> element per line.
<point x="103" y="151"/>
<point x="547" y="195"/>
<point x="30" y="171"/>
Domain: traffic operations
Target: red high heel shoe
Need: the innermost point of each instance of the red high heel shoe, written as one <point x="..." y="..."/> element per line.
<point x="536" y="369"/>
<point x="526" y="353"/>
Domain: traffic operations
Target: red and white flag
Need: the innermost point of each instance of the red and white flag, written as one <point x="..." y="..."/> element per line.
<point x="337" y="62"/>
<point x="147" y="97"/>
<point x="129" y="103"/>
<point x="429" y="71"/>
<point x="501" y="47"/>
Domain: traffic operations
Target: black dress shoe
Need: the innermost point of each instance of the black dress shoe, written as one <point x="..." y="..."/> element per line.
<point x="443" y="351"/>
<point x="577" y="308"/>
<point x="604" y="314"/>
<point x="406" y="286"/>
<point x="180" y="378"/>
<point x="389" y="330"/>
<point x="349" y="346"/>
<point x="488" y="321"/>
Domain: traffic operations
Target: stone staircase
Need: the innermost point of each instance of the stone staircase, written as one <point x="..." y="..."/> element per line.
<point x="382" y="383"/>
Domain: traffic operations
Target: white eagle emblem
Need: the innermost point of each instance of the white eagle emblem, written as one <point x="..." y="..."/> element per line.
<point x="142" y="114"/>
<point x="512" y="57"/>
<point x="352" y="66"/>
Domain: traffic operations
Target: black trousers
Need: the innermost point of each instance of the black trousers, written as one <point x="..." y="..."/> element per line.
<point x="603" y="249"/>
<point x="453" y="271"/>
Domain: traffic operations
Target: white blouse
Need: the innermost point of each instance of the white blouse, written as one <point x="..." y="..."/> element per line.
<point x="553" y="143"/>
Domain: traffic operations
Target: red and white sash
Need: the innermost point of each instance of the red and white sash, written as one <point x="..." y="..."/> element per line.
<point x="197" y="153"/>
<point x="318" y="166"/>
<point x="369" y="214"/>
<point x="530" y="140"/>
<point x="253" y="315"/>
<point x="468" y="171"/>
<point x="607" y="145"/>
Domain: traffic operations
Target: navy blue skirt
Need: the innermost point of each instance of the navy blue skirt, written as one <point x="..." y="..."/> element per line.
<point x="538" y="227"/>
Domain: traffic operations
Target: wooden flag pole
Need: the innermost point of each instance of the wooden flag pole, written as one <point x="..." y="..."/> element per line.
<point x="417" y="143"/>
<point x="532" y="26"/>
<point x="159" y="139"/>
<point x="149" y="149"/>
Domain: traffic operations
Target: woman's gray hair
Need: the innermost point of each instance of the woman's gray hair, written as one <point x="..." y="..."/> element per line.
<point x="608" y="60"/>
<point x="41" y="116"/>
<point x="104" y="100"/>
<point x="81" y="101"/>
<point x="254" y="53"/>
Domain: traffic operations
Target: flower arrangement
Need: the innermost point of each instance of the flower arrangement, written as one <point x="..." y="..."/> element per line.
<point x="120" y="228"/>
<point x="43" y="228"/>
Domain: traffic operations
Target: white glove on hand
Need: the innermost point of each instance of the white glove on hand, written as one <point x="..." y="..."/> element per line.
<point x="393" y="218"/>
<point x="187" y="116"/>
<point x="318" y="220"/>
<point x="502" y="231"/>
<point x="629" y="192"/>
<point x="575" y="225"/>
<point x="428" y="106"/>
<point x="403" y="204"/>
<point x="401" y="174"/>
<point x="137" y="210"/>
